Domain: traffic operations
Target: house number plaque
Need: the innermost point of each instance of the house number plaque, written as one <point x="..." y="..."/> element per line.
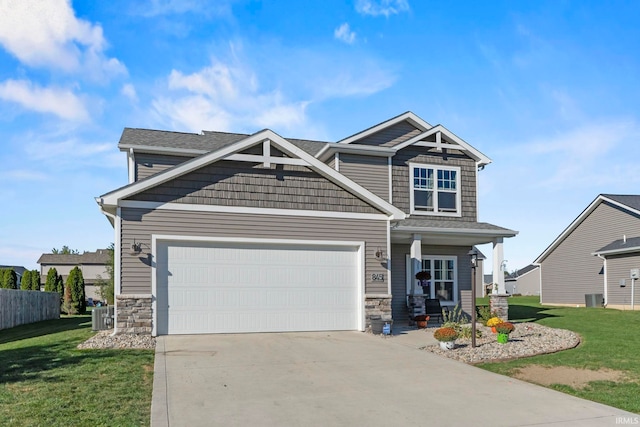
<point x="377" y="277"/>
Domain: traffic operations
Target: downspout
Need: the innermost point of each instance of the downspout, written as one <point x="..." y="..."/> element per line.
<point x="116" y="259"/>
<point x="606" y="299"/>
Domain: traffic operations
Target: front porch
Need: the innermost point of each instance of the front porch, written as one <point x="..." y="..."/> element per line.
<point x="441" y="248"/>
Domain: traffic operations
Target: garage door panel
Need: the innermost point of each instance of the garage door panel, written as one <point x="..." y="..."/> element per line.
<point x="230" y="288"/>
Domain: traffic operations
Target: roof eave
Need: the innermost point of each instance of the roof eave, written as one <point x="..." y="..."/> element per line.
<point x="620" y="251"/>
<point x="457" y="231"/>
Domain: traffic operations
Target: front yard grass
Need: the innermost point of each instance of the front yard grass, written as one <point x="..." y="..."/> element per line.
<point x="46" y="381"/>
<point x="610" y="339"/>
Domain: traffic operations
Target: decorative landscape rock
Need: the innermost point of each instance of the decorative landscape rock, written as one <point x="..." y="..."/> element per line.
<point x="104" y="339"/>
<point x="528" y="339"/>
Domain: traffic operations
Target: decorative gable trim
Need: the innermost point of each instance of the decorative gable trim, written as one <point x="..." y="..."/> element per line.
<point x="598" y="200"/>
<point x="267" y="138"/>
<point x="408" y="116"/>
<point x="439" y="145"/>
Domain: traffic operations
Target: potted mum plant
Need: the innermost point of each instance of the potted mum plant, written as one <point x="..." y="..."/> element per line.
<point x="493" y="322"/>
<point x="421" y="320"/>
<point x="504" y="329"/>
<point x="447" y="337"/>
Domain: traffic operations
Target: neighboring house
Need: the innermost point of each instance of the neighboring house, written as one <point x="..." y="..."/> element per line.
<point x="18" y="269"/>
<point x="568" y="268"/>
<point x="92" y="264"/>
<point x="525" y="281"/>
<point x="222" y="232"/>
<point x="621" y="263"/>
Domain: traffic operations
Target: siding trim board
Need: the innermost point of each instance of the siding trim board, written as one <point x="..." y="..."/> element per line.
<point x="138" y="204"/>
<point x="408" y="116"/>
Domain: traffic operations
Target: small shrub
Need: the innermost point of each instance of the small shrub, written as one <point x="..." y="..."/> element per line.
<point x="505" y="328"/>
<point x="445" y="334"/>
<point x="455" y="316"/>
<point x="465" y="332"/>
<point x="485" y="313"/>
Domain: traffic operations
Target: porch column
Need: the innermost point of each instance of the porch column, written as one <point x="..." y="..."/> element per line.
<point x="416" y="259"/>
<point x="498" y="274"/>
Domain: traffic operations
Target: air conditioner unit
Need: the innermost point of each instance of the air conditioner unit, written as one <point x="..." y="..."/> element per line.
<point x="594" y="300"/>
<point x="102" y="318"/>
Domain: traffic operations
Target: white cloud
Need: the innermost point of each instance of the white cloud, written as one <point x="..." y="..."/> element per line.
<point x="382" y="7"/>
<point x="344" y="33"/>
<point x="228" y="98"/>
<point x="71" y="153"/>
<point x="60" y="102"/>
<point x="23" y="175"/>
<point x="48" y="34"/>
<point x="129" y="91"/>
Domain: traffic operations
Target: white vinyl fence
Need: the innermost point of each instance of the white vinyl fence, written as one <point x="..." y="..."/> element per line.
<point x="18" y="307"/>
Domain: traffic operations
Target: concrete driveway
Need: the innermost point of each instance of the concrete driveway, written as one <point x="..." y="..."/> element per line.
<point x="345" y="379"/>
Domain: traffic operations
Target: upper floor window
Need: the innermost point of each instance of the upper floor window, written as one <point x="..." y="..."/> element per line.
<point x="435" y="190"/>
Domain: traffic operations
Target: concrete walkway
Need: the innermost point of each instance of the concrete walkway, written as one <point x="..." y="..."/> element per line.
<point x="345" y="379"/>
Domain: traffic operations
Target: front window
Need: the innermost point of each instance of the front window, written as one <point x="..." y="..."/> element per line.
<point x="443" y="283"/>
<point x="435" y="190"/>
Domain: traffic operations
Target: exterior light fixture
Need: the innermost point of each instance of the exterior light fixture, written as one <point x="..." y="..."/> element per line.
<point x="136" y="248"/>
<point x="473" y="253"/>
<point x="380" y="254"/>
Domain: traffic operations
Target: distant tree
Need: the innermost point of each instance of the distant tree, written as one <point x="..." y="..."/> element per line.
<point x="106" y="286"/>
<point x="74" y="302"/>
<point x="35" y="280"/>
<point x="3" y="272"/>
<point x="9" y="279"/>
<point x="65" y="251"/>
<point x="50" y="283"/>
<point x="25" y="282"/>
<point x="59" y="287"/>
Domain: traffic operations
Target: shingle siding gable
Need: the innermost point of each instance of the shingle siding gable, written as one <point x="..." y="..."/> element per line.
<point x="229" y="183"/>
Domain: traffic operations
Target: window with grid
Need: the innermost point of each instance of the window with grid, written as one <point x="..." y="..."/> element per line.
<point x="435" y="189"/>
<point x="443" y="284"/>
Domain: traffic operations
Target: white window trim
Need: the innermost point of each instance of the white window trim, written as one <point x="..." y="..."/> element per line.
<point x="414" y="211"/>
<point x="432" y="258"/>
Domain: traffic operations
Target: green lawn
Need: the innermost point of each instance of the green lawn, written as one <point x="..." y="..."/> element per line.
<point x="46" y="381"/>
<point x="610" y="339"/>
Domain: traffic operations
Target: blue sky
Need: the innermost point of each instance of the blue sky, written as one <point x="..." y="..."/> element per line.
<point x="547" y="89"/>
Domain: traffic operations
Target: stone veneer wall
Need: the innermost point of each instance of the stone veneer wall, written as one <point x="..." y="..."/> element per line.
<point x="376" y="307"/>
<point x="134" y="314"/>
<point x="500" y="305"/>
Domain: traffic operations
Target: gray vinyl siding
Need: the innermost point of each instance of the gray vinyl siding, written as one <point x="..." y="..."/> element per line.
<point x="413" y="154"/>
<point x="399" y="272"/>
<point x="392" y="135"/>
<point x="527" y="284"/>
<point x="140" y="224"/>
<point x="618" y="267"/>
<point x="150" y="164"/>
<point x="229" y="183"/>
<point x="369" y="171"/>
<point x="570" y="271"/>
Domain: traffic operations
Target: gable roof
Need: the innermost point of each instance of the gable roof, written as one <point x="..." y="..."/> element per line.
<point x="112" y="198"/>
<point x="426" y="131"/>
<point x="161" y="141"/>
<point x="628" y="203"/>
<point x="519" y="273"/>
<point x="17" y="268"/>
<point x="408" y="116"/>
<point x="620" y="246"/>
<point x="101" y="256"/>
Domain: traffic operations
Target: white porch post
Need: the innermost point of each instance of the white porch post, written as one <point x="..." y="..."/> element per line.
<point x="498" y="259"/>
<point x="416" y="259"/>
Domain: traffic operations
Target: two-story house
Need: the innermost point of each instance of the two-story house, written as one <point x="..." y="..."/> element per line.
<point x="223" y="233"/>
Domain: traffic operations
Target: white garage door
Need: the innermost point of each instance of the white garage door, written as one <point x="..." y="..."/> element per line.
<point x="230" y="288"/>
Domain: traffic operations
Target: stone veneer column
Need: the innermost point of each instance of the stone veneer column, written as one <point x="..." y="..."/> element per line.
<point x="500" y="305"/>
<point x="134" y="314"/>
<point x="376" y="307"/>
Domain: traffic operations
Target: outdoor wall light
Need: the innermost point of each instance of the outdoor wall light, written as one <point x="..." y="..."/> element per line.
<point x="136" y="248"/>
<point x="380" y="254"/>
